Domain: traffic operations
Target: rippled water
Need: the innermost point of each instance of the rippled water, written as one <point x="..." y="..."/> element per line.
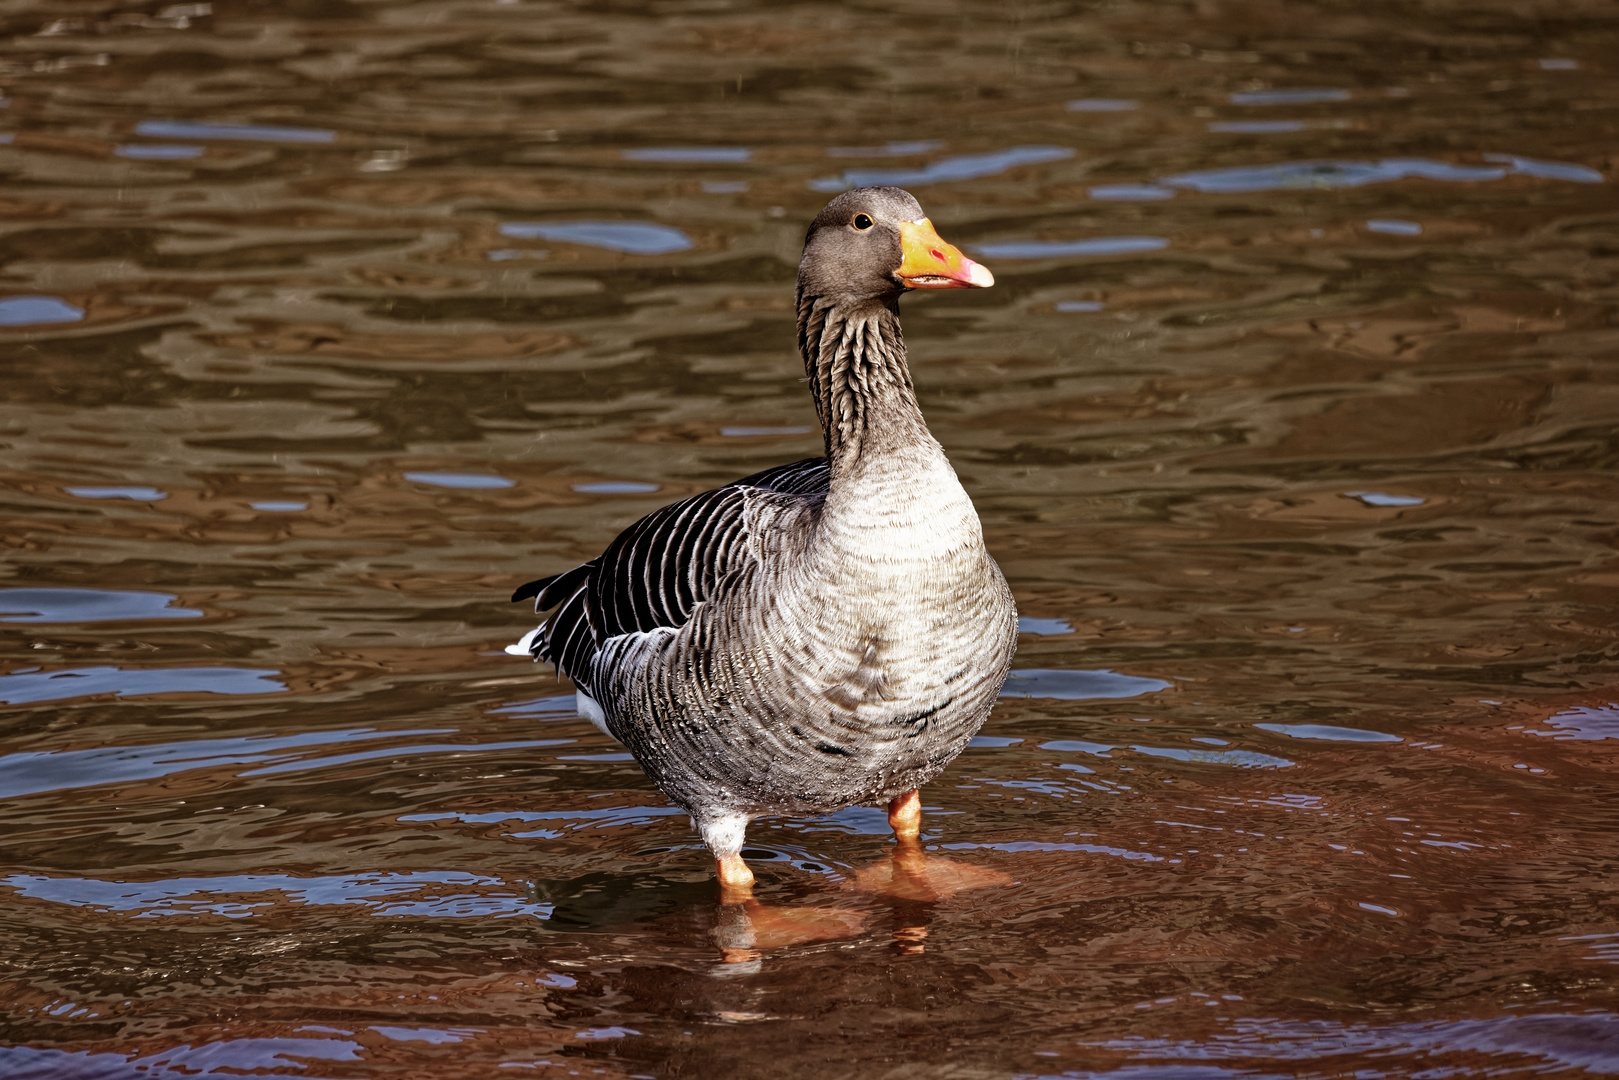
<point x="1293" y="419"/>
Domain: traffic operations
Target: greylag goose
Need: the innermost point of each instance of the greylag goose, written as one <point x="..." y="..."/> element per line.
<point x="823" y="634"/>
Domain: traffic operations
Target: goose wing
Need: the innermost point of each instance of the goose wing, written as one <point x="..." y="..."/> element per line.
<point x="656" y="571"/>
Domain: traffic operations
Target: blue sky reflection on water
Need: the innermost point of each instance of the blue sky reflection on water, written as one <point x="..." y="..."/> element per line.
<point x="1131" y="192"/>
<point x="227" y="1057"/>
<point x="630" y="237"/>
<point x="1329" y="732"/>
<point x="1242" y="759"/>
<point x="616" y="487"/>
<point x="30" y="773"/>
<point x="118" y="491"/>
<point x="29" y="687"/>
<point x="1384" y="498"/>
<point x="158" y="152"/>
<point x="1103" y="105"/>
<point x="1255" y="127"/>
<point x="37" y="311"/>
<point x="431" y="893"/>
<point x="1294" y="96"/>
<point x="1052" y="249"/>
<point x="958" y="168"/>
<point x="903" y="148"/>
<point x="1542" y="1039"/>
<point x="463" y="481"/>
<point x="1394" y="226"/>
<point x="25" y="605"/>
<point x="1078" y="685"/>
<point x="1332" y="175"/>
<point x="193" y="129"/>
<point x="686" y="155"/>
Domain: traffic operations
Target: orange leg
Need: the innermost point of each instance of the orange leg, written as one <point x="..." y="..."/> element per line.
<point x="905" y="817"/>
<point x="909" y="873"/>
<point x="736" y="880"/>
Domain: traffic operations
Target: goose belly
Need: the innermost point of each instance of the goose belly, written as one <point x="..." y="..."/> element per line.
<point x="808" y="699"/>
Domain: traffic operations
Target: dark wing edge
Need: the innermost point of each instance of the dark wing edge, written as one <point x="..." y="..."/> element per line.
<point x="656" y="571"/>
<point x="549" y="591"/>
<point x="564" y="638"/>
<point x="811" y="476"/>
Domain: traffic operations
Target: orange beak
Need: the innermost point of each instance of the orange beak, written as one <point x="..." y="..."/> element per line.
<point x="930" y="263"/>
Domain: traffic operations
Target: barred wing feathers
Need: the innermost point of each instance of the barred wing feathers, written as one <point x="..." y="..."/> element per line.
<point x="807" y="477"/>
<point x="657" y="570"/>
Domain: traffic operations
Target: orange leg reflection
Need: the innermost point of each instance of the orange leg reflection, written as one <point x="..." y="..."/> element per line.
<point x="909" y="939"/>
<point x="747" y="930"/>
<point x="912" y="874"/>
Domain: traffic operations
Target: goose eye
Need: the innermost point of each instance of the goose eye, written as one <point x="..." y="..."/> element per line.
<point x="863" y="222"/>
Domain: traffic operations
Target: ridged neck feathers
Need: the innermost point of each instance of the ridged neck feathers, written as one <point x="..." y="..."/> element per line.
<point x="854" y="355"/>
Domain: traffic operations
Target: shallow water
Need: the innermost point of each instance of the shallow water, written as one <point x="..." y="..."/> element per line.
<point x="1293" y="419"/>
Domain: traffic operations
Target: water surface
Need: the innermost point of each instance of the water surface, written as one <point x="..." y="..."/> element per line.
<point x="1293" y="419"/>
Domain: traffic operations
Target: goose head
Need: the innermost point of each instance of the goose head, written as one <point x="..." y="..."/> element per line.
<point x="875" y="243"/>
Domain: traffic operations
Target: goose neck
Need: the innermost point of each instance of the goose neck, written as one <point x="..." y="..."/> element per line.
<point x="854" y="355"/>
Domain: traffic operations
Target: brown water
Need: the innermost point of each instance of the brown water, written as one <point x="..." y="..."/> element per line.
<point x="1322" y="461"/>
